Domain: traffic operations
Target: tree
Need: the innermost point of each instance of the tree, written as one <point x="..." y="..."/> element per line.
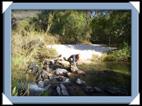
<point x="74" y="26"/>
<point x="111" y="27"/>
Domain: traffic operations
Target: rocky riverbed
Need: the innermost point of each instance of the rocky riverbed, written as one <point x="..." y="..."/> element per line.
<point x="56" y="79"/>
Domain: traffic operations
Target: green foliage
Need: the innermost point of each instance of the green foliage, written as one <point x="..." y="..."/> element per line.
<point x="71" y="26"/>
<point x="43" y="53"/>
<point x="96" y="58"/>
<point x="76" y="26"/>
<point x="45" y="93"/>
<point x="112" y="28"/>
<point x="121" y="55"/>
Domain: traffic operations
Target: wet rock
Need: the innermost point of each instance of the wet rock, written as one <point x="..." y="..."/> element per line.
<point x="64" y="90"/>
<point x="59" y="90"/>
<point x="35" y="90"/>
<point x="96" y="89"/>
<point x="59" y="78"/>
<point x="79" y="81"/>
<point x="46" y="82"/>
<point x="80" y="72"/>
<point x="52" y="90"/>
<point x="47" y="86"/>
<point x="41" y="84"/>
<point x="67" y="80"/>
<point x="60" y="71"/>
<point x="89" y="89"/>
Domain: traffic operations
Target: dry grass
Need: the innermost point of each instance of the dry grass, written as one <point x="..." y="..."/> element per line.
<point x="29" y="48"/>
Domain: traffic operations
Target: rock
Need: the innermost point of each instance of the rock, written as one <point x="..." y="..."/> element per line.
<point x="41" y="84"/>
<point x="35" y="90"/>
<point x="80" y="72"/>
<point x="60" y="71"/>
<point x="89" y="89"/>
<point x="61" y="90"/>
<point x="69" y="74"/>
<point x="44" y="74"/>
<point x="67" y="80"/>
<point x="49" y="64"/>
<point x="47" y="86"/>
<point x="46" y="82"/>
<point x="74" y="68"/>
<point x="64" y="90"/>
<point x="33" y="68"/>
<point x="59" y="78"/>
<point x="58" y="90"/>
<point x="97" y="89"/>
<point x="79" y="81"/>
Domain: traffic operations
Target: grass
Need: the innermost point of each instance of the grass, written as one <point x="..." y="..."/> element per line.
<point x="106" y="75"/>
<point x="98" y="58"/>
<point x="121" y="55"/>
<point x="26" y="49"/>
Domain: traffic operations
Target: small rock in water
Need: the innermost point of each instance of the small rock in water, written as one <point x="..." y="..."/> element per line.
<point x="89" y="89"/>
<point x="41" y="84"/>
<point x="64" y="90"/>
<point x="47" y="87"/>
<point x="79" y="81"/>
<point x="67" y="80"/>
<point x="46" y="82"/>
<point x="58" y="90"/>
<point x="97" y="89"/>
<point x="35" y="90"/>
<point x="61" y="90"/>
<point x="60" y="71"/>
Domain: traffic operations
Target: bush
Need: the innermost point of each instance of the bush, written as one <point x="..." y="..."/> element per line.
<point x="121" y="55"/>
<point x="97" y="58"/>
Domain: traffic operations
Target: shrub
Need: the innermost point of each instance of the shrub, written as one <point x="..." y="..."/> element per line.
<point x="121" y="55"/>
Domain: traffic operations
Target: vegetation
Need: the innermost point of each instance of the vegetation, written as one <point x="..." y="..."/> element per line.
<point x="107" y="74"/>
<point x="33" y="30"/>
<point x="122" y="55"/>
